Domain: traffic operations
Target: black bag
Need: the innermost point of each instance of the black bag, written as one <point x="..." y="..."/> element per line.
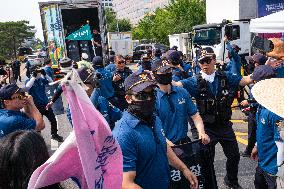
<point x="197" y="158"/>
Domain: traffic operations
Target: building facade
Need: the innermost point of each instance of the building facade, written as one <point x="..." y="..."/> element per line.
<point x="107" y="3"/>
<point x="135" y="10"/>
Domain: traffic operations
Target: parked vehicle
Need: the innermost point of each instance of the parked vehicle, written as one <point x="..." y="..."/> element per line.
<point x="61" y="18"/>
<point x="142" y="49"/>
<point x="120" y="43"/>
<point x="35" y="60"/>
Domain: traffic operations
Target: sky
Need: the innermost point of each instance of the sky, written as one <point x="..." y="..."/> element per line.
<point x="15" y="10"/>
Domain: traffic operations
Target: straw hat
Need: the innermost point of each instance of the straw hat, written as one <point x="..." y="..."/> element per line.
<point x="270" y="94"/>
<point x="278" y="51"/>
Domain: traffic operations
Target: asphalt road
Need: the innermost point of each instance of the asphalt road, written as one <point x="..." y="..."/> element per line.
<point x="246" y="166"/>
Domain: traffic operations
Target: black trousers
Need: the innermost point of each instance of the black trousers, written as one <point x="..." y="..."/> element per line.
<point x="50" y="116"/>
<point x="263" y="180"/>
<point x="251" y="131"/>
<point x="224" y="134"/>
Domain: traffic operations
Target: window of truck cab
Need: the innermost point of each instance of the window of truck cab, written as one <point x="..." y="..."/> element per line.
<point x="207" y="36"/>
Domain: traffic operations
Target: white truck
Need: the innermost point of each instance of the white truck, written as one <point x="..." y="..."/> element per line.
<point x="181" y="41"/>
<point x="61" y="18"/>
<point x="120" y="43"/>
<point x="239" y="12"/>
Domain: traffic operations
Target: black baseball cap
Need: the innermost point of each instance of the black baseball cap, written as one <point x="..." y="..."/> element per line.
<point x="206" y="53"/>
<point x="173" y="56"/>
<point x="86" y="74"/>
<point x="97" y="62"/>
<point x="138" y="81"/>
<point x="259" y="58"/>
<point x="7" y="91"/>
<point x="160" y="65"/>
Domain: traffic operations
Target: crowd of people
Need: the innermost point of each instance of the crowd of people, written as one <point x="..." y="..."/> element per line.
<point x="149" y="111"/>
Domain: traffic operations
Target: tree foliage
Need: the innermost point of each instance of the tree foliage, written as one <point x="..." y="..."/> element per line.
<point x="114" y="24"/>
<point x="178" y="17"/>
<point x="12" y="35"/>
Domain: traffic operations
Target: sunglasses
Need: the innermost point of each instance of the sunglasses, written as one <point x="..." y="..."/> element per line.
<point x="207" y="61"/>
<point x="20" y="97"/>
<point x="144" y="95"/>
<point x="121" y="62"/>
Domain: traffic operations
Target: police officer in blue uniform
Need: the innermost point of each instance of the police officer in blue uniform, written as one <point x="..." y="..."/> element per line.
<point x="48" y="69"/>
<point x="12" y="100"/>
<point x="119" y="76"/>
<point x="157" y="53"/>
<point x="174" y="107"/>
<point x="104" y="77"/>
<point x="234" y="65"/>
<point x="267" y="135"/>
<point x="257" y="59"/>
<point x="111" y="66"/>
<point x="146" y="155"/>
<point x="179" y="72"/>
<point x="212" y="91"/>
<point x="36" y="88"/>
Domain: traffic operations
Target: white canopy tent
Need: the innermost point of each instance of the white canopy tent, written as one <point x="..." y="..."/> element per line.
<point x="273" y="23"/>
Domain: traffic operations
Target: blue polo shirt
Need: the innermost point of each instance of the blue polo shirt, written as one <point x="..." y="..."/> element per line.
<point x="109" y="112"/>
<point x="280" y="72"/>
<point x="190" y="84"/>
<point x="174" y="109"/>
<point x="178" y="75"/>
<point x="37" y="91"/>
<point x="111" y="67"/>
<point x="49" y="71"/>
<point x="11" y="121"/>
<point x="105" y="81"/>
<point x="142" y="152"/>
<point x="266" y="135"/>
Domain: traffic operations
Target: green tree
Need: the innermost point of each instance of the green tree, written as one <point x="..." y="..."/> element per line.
<point x="178" y="17"/>
<point x="114" y="24"/>
<point x="12" y="35"/>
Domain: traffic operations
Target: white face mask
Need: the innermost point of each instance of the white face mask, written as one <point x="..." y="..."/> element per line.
<point x="209" y="78"/>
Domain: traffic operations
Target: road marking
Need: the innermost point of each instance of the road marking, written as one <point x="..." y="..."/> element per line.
<point x="238" y="121"/>
<point x="242" y="141"/>
<point x="241" y="134"/>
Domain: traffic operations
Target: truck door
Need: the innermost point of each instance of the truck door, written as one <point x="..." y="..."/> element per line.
<point x="53" y="34"/>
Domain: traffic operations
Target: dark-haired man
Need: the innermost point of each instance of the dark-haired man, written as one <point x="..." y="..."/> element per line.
<point x="174" y="107"/>
<point x="13" y="99"/>
<point x="146" y="155"/>
<point x="36" y="88"/>
<point x="214" y="91"/>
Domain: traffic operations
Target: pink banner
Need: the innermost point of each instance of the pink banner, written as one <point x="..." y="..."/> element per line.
<point x="270" y="35"/>
<point x="91" y="153"/>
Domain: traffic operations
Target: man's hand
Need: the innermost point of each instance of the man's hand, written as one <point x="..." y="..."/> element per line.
<point x="116" y="77"/>
<point x="204" y="138"/>
<point x="254" y="153"/>
<point x="29" y="101"/>
<point x="49" y="105"/>
<point x="244" y="103"/>
<point x="191" y="178"/>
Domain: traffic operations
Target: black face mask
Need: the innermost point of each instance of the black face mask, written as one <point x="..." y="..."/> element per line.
<point x="143" y="109"/>
<point x="164" y="79"/>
